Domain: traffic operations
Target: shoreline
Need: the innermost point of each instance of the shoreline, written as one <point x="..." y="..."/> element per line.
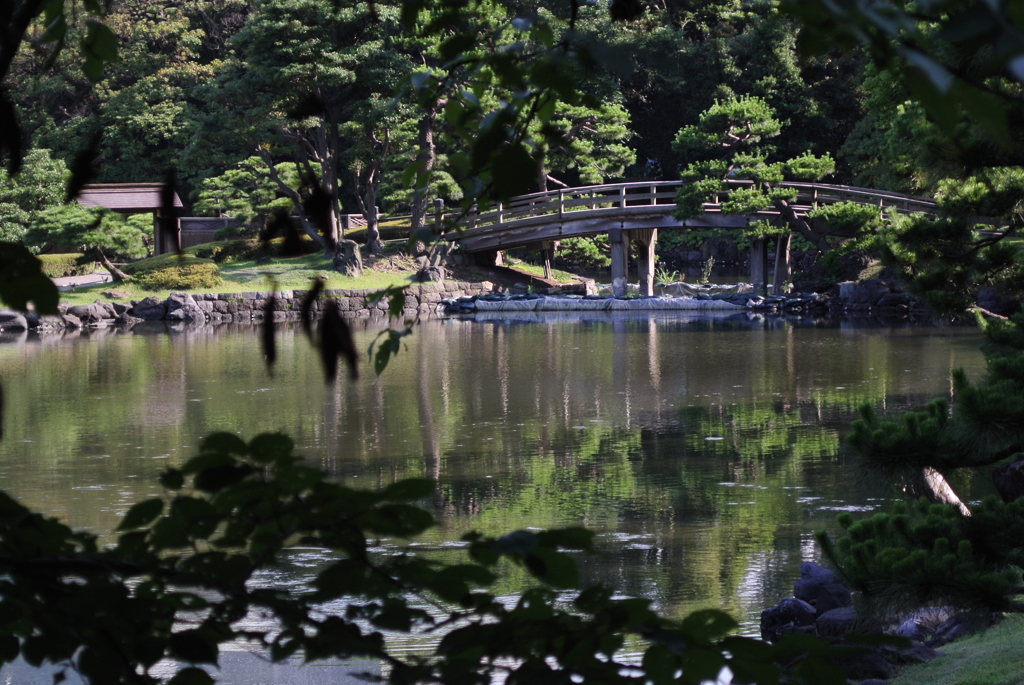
<point x="871" y="298"/>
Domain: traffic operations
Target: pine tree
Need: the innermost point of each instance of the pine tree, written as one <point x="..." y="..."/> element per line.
<point x="939" y="550"/>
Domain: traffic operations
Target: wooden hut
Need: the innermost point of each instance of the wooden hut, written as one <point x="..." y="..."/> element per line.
<point x="139" y="198"/>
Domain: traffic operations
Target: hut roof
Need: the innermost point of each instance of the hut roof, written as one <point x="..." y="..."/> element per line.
<point x="130" y="198"/>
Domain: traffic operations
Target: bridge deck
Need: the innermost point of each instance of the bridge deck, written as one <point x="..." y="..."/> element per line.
<point x="589" y="210"/>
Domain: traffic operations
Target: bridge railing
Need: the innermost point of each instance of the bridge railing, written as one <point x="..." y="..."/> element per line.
<point x="636" y="197"/>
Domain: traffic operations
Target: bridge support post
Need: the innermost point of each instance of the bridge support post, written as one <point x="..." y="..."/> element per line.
<point x="759" y="265"/>
<point x="547" y="251"/>
<point x="645" y="239"/>
<point x="783" y="262"/>
<point x="619" y="240"/>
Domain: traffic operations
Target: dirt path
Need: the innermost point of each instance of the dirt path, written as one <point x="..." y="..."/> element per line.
<point x="71" y="282"/>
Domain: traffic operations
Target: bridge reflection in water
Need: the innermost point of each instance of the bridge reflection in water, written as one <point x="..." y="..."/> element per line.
<point x="635" y="212"/>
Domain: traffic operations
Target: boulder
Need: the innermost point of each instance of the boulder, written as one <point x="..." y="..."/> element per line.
<point x="51" y="322"/>
<point x="431" y="274"/>
<point x="821" y="588"/>
<point x="786" y="617"/>
<point x="150" y="309"/>
<point x="1008" y="479"/>
<point x="868" y="292"/>
<point x="835" y="623"/>
<point x="116" y="294"/>
<point x="71" y="321"/>
<point x="126" y="319"/>
<point x="895" y="300"/>
<point x="88" y="313"/>
<point x="110" y="312"/>
<point x="867" y="665"/>
<point x="181" y="307"/>
<point x="347" y="259"/>
<point x="11" y="320"/>
<point x="851" y="264"/>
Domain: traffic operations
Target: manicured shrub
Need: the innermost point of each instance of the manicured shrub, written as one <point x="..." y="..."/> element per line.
<point x="68" y="264"/>
<point x="249" y="249"/>
<point x="171" y="272"/>
<point x="389" y="230"/>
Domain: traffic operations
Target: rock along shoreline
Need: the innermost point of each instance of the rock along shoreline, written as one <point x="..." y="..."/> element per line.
<point x="872" y="298"/>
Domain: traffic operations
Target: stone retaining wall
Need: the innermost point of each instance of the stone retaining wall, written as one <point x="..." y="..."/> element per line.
<point x="242" y="307"/>
<point x="422" y="298"/>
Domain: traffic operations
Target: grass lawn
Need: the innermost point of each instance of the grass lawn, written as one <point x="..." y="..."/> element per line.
<point x="538" y="270"/>
<point x="293" y="273"/>
<point x="994" y="657"/>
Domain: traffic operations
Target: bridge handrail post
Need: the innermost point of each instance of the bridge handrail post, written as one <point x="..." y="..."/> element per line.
<point x="497" y="216"/>
<point x="622" y="196"/>
<point x="561" y="204"/>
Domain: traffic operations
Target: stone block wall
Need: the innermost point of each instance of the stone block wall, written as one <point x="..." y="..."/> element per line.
<point x="250" y="306"/>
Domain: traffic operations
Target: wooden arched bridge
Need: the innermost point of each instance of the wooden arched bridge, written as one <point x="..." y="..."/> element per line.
<point x="635" y="212"/>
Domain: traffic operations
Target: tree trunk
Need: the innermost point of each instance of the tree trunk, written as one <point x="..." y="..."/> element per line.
<point x="329" y="174"/>
<point x="801" y="226"/>
<point x="115" y="273"/>
<point x="783" y="263"/>
<point x="931" y="485"/>
<point x="425" y="160"/>
<point x="542" y="175"/>
<point x="296" y="199"/>
<point x="373" y="241"/>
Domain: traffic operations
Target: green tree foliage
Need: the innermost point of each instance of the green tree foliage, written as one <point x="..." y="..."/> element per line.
<point x="71" y="227"/>
<point x="40" y="185"/>
<point x="585" y="252"/>
<point x="591" y="144"/>
<point x="939" y="550"/>
<point x="246" y="193"/>
<point x="951" y="56"/>
<point x="140" y="105"/>
<point x="309" y="83"/>
<point x="688" y="55"/>
<point x="729" y="146"/>
<point x="48" y="26"/>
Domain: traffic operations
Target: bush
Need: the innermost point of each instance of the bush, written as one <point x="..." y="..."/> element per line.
<point x="848" y="218"/>
<point x="226" y="251"/>
<point x="584" y="253"/>
<point x="389" y="230"/>
<point x="171" y="272"/>
<point x="61" y="265"/>
<point x="249" y="249"/>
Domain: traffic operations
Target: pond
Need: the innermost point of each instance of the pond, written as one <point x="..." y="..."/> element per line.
<point x="703" y="450"/>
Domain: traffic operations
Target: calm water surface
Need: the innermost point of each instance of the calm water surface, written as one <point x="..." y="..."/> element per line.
<point x="704" y="451"/>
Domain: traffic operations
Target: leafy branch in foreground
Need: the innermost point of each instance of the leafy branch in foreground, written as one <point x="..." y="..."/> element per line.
<point x="186" y="568"/>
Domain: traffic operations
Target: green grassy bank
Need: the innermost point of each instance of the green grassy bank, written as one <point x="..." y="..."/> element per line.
<point x="995" y="657"/>
<point x="246" y="265"/>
